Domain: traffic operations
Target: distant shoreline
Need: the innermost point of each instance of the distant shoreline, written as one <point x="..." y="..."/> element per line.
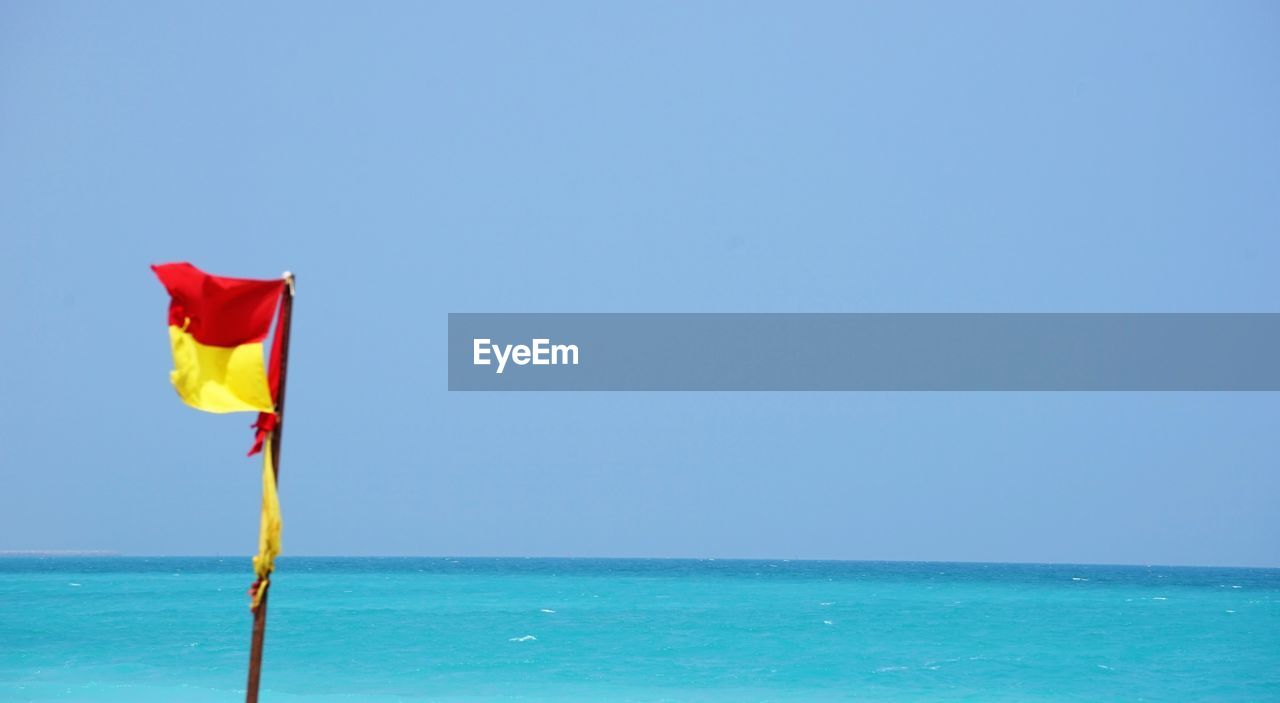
<point x="58" y="553"/>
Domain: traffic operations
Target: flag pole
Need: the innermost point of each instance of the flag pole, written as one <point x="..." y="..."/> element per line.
<point x="260" y="613"/>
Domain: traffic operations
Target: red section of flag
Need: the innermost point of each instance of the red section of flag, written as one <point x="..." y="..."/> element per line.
<point x="220" y="311"/>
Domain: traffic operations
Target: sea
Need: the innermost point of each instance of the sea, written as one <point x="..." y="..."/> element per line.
<point x="655" y="630"/>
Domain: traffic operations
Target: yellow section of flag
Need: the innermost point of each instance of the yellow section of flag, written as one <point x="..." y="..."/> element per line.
<point x="219" y="379"/>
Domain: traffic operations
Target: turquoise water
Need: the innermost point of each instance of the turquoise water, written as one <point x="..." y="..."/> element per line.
<point x="436" y="629"/>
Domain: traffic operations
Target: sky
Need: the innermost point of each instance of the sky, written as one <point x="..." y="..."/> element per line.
<point x="408" y="160"/>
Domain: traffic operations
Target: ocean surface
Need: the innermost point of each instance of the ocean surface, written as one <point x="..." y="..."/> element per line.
<point x="443" y="629"/>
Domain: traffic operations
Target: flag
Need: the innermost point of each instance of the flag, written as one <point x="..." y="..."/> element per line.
<point x="217" y="326"/>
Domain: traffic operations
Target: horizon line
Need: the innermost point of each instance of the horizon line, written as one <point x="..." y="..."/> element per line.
<point x="110" y="554"/>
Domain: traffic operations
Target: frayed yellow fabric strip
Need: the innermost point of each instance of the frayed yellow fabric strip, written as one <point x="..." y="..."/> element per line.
<point x="269" y="530"/>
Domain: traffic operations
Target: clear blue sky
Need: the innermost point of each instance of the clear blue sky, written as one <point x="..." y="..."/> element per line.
<point x="410" y="160"/>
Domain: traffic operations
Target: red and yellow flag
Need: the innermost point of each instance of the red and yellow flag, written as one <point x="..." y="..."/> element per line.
<point x="216" y="327"/>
